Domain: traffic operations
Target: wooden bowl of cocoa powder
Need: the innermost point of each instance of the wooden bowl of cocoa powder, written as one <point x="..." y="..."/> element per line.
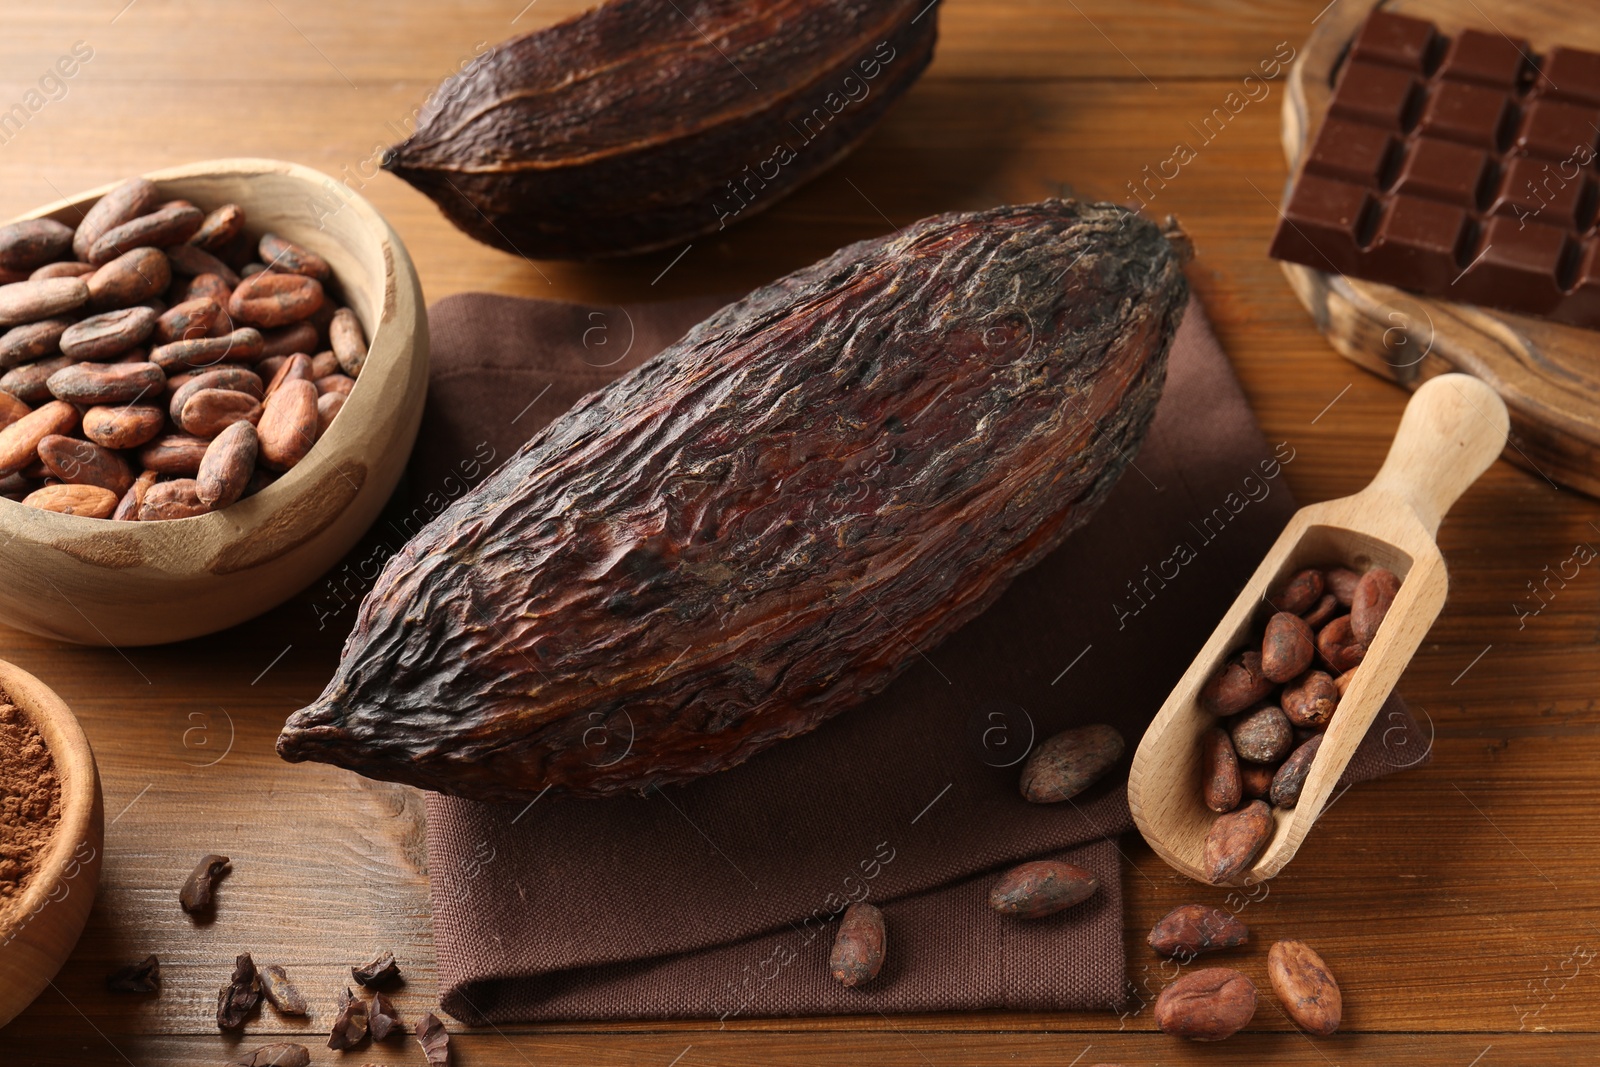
<point x="106" y="582"/>
<point x="52" y="825"/>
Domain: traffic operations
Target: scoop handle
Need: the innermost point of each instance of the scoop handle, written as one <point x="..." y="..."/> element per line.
<point x="1453" y="428"/>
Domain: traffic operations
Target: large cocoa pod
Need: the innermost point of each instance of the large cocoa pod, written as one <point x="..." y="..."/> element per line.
<point x="642" y="124"/>
<point x="760" y="526"/>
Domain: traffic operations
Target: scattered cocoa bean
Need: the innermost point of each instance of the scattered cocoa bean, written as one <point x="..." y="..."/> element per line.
<point x="381" y="1018"/>
<point x="858" y="948"/>
<point x="434" y="1039"/>
<point x="1305" y="987"/>
<point x="1262" y="735"/>
<point x="1237" y="686"/>
<point x="1206" y="1005"/>
<point x="280" y="992"/>
<point x="239" y="999"/>
<point x="1287" y="648"/>
<point x="1311" y="699"/>
<point x="141" y="977"/>
<point x="1302" y="590"/>
<point x="1234" y="840"/>
<point x="1191" y="929"/>
<point x="380" y="972"/>
<point x="1068" y="763"/>
<point x="1342" y="582"/>
<point x="350" y="1024"/>
<point x="1338" y="645"/>
<point x="196" y="894"/>
<point x="1374" y="594"/>
<point x="1219" y="771"/>
<point x="1291" y="777"/>
<point x="1041" y="887"/>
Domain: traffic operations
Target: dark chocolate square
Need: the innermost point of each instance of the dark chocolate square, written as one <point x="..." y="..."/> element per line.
<point x="1323" y="224"/>
<point x="1556" y="129"/>
<point x="1571" y="74"/>
<point x="1537" y="189"/>
<point x="1443" y="170"/>
<point x="1395" y="40"/>
<point x="1352" y="152"/>
<point x="1380" y="96"/>
<point x="1416" y="243"/>
<point x="1472" y="114"/>
<point x="1516" y="265"/>
<point x="1487" y="58"/>
<point x="1583" y="300"/>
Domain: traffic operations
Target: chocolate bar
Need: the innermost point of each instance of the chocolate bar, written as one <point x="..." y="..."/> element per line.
<point x="1457" y="167"/>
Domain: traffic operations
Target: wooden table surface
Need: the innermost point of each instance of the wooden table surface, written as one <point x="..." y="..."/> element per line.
<point x="1459" y="904"/>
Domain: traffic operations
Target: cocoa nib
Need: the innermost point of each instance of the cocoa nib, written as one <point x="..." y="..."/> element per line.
<point x="434" y="1039"/>
<point x="381" y="971"/>
<point x="141" y="977"/>
<point x="237" y="1000"/>
<point x="282" y="1054"/>
<point x="350" y="1025"/>
<point x="196" y="894"/>
<point x="381" y="1018"/>
<point x="280" y="992"/>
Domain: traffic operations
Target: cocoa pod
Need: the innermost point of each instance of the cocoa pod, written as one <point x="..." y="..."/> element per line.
<point x="128" y="507"/>
<point x="126" y="202"/>
<point x="171" y="224"/>
<point x="328" y="407"/>
<point x="67" y="268"/>
<point x="1219" y="774"/>
<point x="1262" y="735"/>
<point x="188" y="320"/>
<point x="106" y="383"/>
<point x="270" y="299"/>
<point x="1342" y="582"/>
<point x="1303" y="589"/>
<point x="1340" y="648"/>
<point x="299" y="337"/>
<point x="1042" y="887"/>
<point x="1325" y="609"/>
<point x="1311" y="699"/>
<point x="1371" y="601"/>
<point x="1210" y="1004"/>
<point x="288" y="426"/>
<point x="140" y="275"/>
<point x="12" y="409"/>
<point x="1305" y="987"/>
<point x="858" y="948"/>
<point x="30" y="382"/>
<point x="1287" y="648"/>
<point x="219" y="228"/>
<point x="1291" y="777"/>
<point x="1099" y="329"/>
<point x="1256" y="779"/>
<point x="210" y="411"/>
<point x="19" y="442"/>
<point x="296" y="368"/>
<point x="324" y="364"/>
<point x="177" y="499"/>
<point x="239" y="379"/>
<point x="191" y="262"/>
<point x="334" y="383"/>
<point x="107" y="334"/>
<point x="35" y="340"/>
<point x="348" y="341"/>
<point x="24" y="302"/>
<point x="229" y="461"/>
<point x="286" y="257"/>
<point x="1069" y="762"/>
<point x="85" y="463"/>
<point x="123" y="425"/>
<point x="1237" y="686"/>
<point x="174" y="453"/>
<point x="86" y="501"/>
<point x="498" y="148"/>
<point x="31" y="243"/>
<point x="241" y="346"/>
<point x="1192" y="929"/>
<point x="1235" y="839"/>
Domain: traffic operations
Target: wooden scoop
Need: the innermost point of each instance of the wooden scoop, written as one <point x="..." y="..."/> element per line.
<point x="1453" y="428"/>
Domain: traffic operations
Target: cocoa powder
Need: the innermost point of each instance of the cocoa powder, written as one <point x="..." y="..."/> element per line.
<point x="30" y="802"/>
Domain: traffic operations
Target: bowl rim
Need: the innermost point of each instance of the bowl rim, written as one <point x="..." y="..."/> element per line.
<point x="79" y="779"/>
<point x="272" y="499"/>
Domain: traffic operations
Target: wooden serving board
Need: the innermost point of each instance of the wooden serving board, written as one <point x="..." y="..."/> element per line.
<point x="1548" y="374"/>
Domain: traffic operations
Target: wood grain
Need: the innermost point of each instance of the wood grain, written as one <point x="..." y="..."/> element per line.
<point x="1448" y="898"/>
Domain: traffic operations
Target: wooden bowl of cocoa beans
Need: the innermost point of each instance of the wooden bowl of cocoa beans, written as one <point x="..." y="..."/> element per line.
<point x="210" y="380"/>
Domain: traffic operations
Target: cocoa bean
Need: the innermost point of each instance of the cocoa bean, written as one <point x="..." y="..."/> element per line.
<point x="1342" y="683"/>
<point x="1305" y="987"/>
<point x="1311" y="699"/>
<point x="85" y="463"/>
<point x="214" y="288"/>
<point x="271" y="299"/>
<point x="858" y="948"/>
<point x="1192" y="929"/>
<point x="288" y="426"/>
<point x="1369" y="604"/>
<point x="30" y="244"/>
<point x="177" y="499"/>
<point x="171" y="224"/>
<point x="1256" y="778"/>
<point x="328" y="407"/>
<point x="126" y="202"/>
<point x="219" y="228"/>
<point x="348" y="341"/>
<point x="1237" y="686"/>
<point x="102" y="383"/>
<point x="323" y="364"/>
<point x="1303" y="589"/>
<point x="287" y="340"/>
<point x="228" y="463"/>
<point x="191" y="262"/>
<point x="285" y="257"/>
<point x="19" y="442"/>
<point x="1262" y="735"/>
<point x="1288" y="646"/>
<point x="1042" y="887"/>
<point x="129" y="279"/>
<point x="133" y="500"/>
<point x="85" y="501"/>
<point x="241" y="346"/>
<point x="1342" y="582"/>
<point x="335" y="383"/>
<point x="1069" y="762"/>
<point x="1210" y="1004"/>
<point x="238" y="379"/>
<point x="188" y="320"/>
<point x="1291" y="777"/>
<point x="24" y="302"/>
<point x="1219" y="771"/>
<point x="30" y="382"/>
<point x="108" y="334"/>
<point x="1340" y="648"/>
<point x="12" y="409"/>
<point x="174" y="453"/>
<point x="293" y="368"/>
<point x="35" y="340"/>
<point x="67" y="268"/>
<point x="1326" y="609"/>
<point x="1234" y="840"/>
<point x="210" y="411"/>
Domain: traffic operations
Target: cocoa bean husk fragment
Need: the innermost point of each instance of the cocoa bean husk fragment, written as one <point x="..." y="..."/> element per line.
<point x="198" y="888"/>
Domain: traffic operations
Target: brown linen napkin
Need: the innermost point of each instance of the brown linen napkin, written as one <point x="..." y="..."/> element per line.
<point x="712" y="900"/>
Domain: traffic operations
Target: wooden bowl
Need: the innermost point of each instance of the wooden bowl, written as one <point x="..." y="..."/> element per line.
<point x="101" y="582"/>
<point x="38" y="932"/>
